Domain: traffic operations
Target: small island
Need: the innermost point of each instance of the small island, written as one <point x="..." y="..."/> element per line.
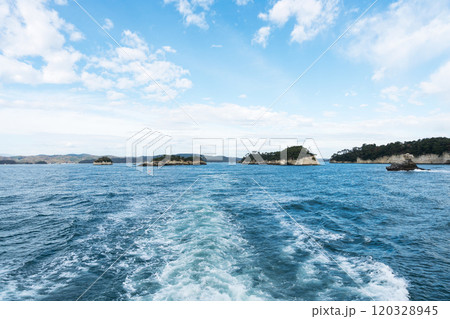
<point x="171" y="160"/>
<point x="434" y="150"/>
<point x="406" y="165"/>
<point x="104" y="160"/>
<point x="294" y="155"/>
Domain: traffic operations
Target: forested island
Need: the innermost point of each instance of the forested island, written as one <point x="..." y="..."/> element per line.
<point x="168" y="160"/>
<point x="89" y="159"/>
<point x="294" y="155"/>
<point x="434" y="150"/>
<point x="104" y="160"/>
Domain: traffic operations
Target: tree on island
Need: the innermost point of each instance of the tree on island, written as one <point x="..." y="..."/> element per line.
<point x="178" y="158"/>
<point x="293" y="153"/>
<point x="435" y="145"/>
<point x="103" y="159"/>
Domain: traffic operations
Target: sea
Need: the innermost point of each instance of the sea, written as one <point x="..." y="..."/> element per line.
<point x="224" y="232"/>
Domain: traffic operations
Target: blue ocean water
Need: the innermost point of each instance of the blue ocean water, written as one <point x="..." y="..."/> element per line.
<point x="334" y="232"/>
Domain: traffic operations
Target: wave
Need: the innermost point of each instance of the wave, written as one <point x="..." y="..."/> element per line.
<point x="438" y="171"/>
<point x="204" y="257"/>
<point x="361" y="278"/>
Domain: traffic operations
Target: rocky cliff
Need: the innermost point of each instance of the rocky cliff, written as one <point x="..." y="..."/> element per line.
<point x="422" y="159"/>
<point x="304" y="161"/>
<point x="172" y="163"/>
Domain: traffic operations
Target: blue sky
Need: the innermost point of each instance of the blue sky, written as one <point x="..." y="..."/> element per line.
<point x="65" y="87"/>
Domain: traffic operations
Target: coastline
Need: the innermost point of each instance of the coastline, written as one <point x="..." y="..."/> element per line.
<point x="427" y="159"/>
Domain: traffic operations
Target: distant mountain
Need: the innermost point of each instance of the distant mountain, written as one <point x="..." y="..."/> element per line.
<point x="89" y="159"/>
<point x="49" y="159"/>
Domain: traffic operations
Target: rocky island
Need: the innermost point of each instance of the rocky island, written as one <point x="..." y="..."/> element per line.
<point x="104" y="160"/>
<point x="434" y="150"/>
<point x="294" y="155"/>
<point x="406" y="165"/>
<point x="168" y="160"/>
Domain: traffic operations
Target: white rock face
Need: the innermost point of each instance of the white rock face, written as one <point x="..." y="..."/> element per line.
<point x="305" y="161"/>
<point x="422" y="159"/>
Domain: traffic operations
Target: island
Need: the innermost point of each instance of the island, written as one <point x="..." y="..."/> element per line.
<point x="406" y="165"/>
<point x="89" y="159"/>
<point x="294" y="155"/>
<point x="7" y="162"/>
<point x="435" y="150"/>
<point x="170" y="160"/>
<point x="104" y="160"/>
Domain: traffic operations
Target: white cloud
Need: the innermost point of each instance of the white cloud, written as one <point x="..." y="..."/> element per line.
<point x="216" y="45"/>
<point x="77" y="117"/>
<point x="61" y="69"/>
<point x="408" y="33"/>
<point x="243" y="96"/>
<point x="30" y="31"/>
<point x="113" y="95"/>
<point x="193" y="11"/>
<point x="102" y="126"/>
<point x="35" y="49"/>
<point x="169" y="49"/>
<point x="311" y="17"/>
<point x="401" y="94"/>
<point x="74" y="34"/>
<point x="61" y="2"/>
<point x="394" y="93"/>
<point x="386" y="107"/>
<point x="329" y="114"/>
<point x="96" y="82"/>
<point x="134" y="68"/>
<point x="13" y="70"/>
<point x="351" y="93"/>
<point x="108" y="25"/>
<point x="243" y="2"/>
<point x="262" y="36"/>
<point x="439" y="81"/>
<point x="182" y="83"/>
<point x="379" y="74"/>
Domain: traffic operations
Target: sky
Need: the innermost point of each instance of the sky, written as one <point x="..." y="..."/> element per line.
<point x="84" y="76"/>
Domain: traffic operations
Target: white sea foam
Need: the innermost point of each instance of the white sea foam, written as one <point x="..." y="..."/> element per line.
<point x="372" y="279"/>
<point x="439" y="171"/>
<point x="203" y="250"/>
<point x="48" y="279"/>
<point x="383" y="284"/>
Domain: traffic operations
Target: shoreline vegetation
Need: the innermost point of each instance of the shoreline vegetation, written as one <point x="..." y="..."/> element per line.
<point x="165" y="160"/>
<point x="90" y="159"/>
<point x="294" y="155"/>
<point x="104" y="160"/>
<point x="434" y="150"/>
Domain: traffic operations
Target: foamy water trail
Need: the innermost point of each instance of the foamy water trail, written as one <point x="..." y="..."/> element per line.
<point x="362" y="277"/>
<point x="204" y="257"/>
<point x="438" y="171"/>
<point x="381" y="235"/>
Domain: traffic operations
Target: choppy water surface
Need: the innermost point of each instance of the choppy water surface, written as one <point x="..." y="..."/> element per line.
<point x="360" y="233"/>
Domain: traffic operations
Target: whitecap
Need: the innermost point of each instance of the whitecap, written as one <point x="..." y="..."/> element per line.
<point x="203" y="250"/>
